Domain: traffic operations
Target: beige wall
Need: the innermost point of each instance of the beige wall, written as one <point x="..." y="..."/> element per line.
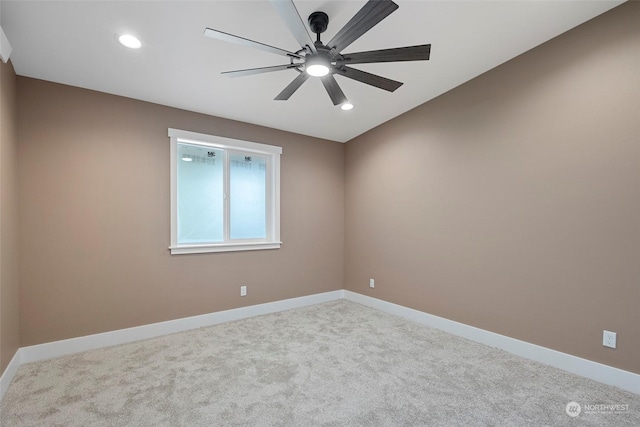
<point x="9" y="330"/>
<point x="94" y="230"/>
<point x="512" y="203"/>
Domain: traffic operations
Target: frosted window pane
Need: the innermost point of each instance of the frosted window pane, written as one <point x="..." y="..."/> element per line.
<point x="248" y="183"/>
<point x="200" y="194"/>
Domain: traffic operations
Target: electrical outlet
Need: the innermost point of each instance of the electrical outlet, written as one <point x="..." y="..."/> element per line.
<point x="243" y="291"/>
<point x="372" y="283"/>
<point x="609" y="339"/>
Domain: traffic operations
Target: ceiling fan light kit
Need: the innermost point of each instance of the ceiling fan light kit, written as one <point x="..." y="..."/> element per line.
<point x="320" y="60"/>
<point x="317" y="65"/>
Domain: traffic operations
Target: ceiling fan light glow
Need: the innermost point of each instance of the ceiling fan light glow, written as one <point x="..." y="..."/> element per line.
<point x="317" y="66"/>
<point x="346" y="106"/>
<point x="317" y="70"/>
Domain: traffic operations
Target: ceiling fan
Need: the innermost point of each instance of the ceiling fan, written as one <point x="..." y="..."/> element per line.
<point x="323" y="60"/>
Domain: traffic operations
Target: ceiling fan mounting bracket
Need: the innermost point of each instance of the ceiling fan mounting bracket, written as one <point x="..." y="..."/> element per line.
<point x="318" y="21"/>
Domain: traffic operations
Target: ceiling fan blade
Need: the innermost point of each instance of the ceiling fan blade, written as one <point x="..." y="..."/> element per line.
<point x="220" y="35"/>
<point x="334" y="91"/>
<point x="371" y="13"/>
<point x="368" y="78"/>
<point x="252" y="71"/>
<point x="294" y="22"/>
<point x="292" y="87"/>
<point x="408" y="53"/>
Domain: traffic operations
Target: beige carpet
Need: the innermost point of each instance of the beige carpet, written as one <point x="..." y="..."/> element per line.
<point x="332" y="364"/>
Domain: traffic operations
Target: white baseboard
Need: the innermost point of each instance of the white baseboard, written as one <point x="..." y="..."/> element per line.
<point x="586" y="368"/>
<point x="596" y="371"/>
<point x="75" y="345"/>
<point x="8" y="373"/>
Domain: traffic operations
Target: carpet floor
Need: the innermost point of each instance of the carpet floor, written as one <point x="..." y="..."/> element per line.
<point x="331" y="364"/>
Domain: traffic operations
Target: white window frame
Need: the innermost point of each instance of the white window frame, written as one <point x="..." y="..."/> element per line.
<point x="272" y="152"/>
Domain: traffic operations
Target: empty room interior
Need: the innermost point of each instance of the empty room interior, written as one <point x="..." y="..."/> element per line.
<point x="441" y="227"/>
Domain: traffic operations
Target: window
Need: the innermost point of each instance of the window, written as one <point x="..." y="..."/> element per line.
<point x="225" y="194"/>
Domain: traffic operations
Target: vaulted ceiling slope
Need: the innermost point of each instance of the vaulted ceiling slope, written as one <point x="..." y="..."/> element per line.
<point x="75" y="43"/>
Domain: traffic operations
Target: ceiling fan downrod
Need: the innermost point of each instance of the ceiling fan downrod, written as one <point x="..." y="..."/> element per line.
<point x="318" y="22"/>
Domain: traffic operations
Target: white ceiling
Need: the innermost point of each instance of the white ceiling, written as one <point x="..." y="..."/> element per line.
<point x="75" y="43"/>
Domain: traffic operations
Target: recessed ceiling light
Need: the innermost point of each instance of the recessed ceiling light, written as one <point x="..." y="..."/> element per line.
<point x="346" y="106"/>
<point x="129" y="41"/>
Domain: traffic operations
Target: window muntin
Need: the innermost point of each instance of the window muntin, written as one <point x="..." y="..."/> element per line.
<point x="225" y="194"/>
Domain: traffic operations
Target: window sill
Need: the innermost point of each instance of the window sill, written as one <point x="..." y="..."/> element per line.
<point x="224" y="247"/>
